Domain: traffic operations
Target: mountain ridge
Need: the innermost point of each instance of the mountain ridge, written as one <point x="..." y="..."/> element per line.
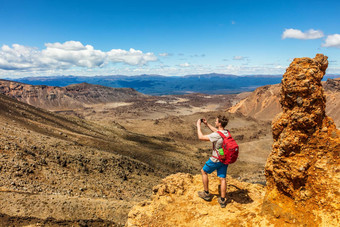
<point x="212" y="83"/>
<point x="72" y="96"/>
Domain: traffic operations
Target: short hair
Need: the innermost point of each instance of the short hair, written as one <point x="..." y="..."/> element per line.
<point x="223" y="120"/>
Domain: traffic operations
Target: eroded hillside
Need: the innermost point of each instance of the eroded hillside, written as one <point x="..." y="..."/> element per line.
<point x="264" y="102"/>
<point x="69" y="97"/>
<point x="64" y="170"/>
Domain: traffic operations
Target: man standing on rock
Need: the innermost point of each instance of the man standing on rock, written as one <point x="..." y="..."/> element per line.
<point x="213" y="163"/>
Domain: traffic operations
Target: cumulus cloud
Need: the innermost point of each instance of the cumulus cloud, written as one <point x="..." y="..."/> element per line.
<point x="332" y="41"/>
<point x="131" y="57"/>
<point x="67" y="55"/>
<point x="19" y="57"/>
<point x="73" y="53"/>
<point x="298" y="34"/>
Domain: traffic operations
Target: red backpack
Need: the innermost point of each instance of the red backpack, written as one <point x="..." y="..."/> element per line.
<point x="230" y="149"/>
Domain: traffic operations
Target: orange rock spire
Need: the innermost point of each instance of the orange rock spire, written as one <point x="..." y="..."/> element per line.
<point x="303" y="171"/>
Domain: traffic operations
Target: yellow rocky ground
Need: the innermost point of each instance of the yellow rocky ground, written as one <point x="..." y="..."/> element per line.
<point x="175" y="203"/>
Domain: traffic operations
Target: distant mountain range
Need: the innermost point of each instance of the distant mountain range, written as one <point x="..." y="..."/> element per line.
<point x="168" y="85"/>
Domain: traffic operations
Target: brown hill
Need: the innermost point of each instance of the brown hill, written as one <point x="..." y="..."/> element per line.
<point x="64" y="170"/>
<point x="69" y="97"/>
<point x="332" y="92"/>
<point x="303" y="170"/>
<point x="263" y="103"/>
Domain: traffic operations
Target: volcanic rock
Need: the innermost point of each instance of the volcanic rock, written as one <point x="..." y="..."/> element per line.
<point x="175" y="203"/>
<point x="303" y="171"/>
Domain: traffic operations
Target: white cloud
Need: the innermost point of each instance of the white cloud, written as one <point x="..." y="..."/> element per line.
<point x="73" y="53"/>
<point x="163" y="54"/>
<point x="333" y="70"/>
<point x="238" y="58"/>
<point x="298" y="34"/>
<point x="19" y="57"/>
<point x="252" y="70"/>
<point x="61" y="56"/>
<point x="159" y="69"/>
<point x="69" y="45"/>
<point x="186" y="64"/>
<point x="332" y="41"/>
<point x="131" y="57"/>
<point x="202" y="69"/>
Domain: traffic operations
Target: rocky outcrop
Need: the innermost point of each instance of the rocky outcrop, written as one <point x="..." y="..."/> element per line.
<point x="69" y="97"/>
<point x="175" y="203"/>
<point x="264" y="102"/>
<point x="303" y="170"/>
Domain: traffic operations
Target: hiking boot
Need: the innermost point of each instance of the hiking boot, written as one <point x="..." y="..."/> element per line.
<point x="222" y="203"/>
<point x="205" y="196"/>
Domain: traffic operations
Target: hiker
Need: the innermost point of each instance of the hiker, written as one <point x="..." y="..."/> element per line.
<point x="213" y="163"/>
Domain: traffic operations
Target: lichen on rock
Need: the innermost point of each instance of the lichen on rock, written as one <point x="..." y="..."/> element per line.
<point x="303" y="172"/>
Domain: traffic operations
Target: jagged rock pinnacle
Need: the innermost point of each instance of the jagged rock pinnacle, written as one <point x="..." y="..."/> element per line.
<point x="303" y="167"/>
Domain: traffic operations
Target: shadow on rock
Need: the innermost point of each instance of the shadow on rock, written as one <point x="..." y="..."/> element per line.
<point x="239" y="195"/>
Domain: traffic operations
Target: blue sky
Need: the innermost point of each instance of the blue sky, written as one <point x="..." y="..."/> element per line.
<point x="57" y="37"/>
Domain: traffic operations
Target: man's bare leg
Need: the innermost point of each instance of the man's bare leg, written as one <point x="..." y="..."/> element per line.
<point x="205" y="194"/>
<point x="205" y="180"/>
<point x="222" y="200"/>
<point x="223" y="187"/>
